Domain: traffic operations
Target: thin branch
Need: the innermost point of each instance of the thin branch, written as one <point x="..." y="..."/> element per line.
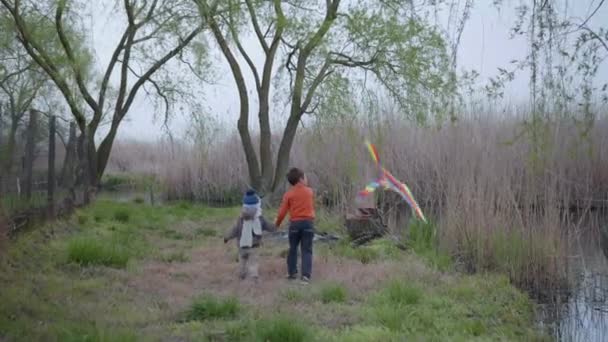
<point x="235" y="37"/>
<point x="67" y="48"/>
<point x="157" y="66"/>
<point x="256" y="26"/>
<point x="596" y="37"/>
<point x="321" y="76"/>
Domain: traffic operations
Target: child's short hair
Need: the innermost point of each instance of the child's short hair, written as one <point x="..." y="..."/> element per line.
<point x="294" y="176"/>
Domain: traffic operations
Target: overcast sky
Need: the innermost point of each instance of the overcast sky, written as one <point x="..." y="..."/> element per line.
<point x="485" y="46"/>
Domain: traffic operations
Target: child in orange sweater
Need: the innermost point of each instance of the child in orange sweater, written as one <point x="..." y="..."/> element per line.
<point x="298" y="202"/>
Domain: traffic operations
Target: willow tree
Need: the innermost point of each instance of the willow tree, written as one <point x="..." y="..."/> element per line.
<point x="23" y="85"/>
<point x="154" y="33"/>
<point x="325" y="51"/>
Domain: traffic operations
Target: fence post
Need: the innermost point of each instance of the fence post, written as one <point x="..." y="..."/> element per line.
<point x="1" y="128"/>
<point x="2" y="148"/>
<point x="51" y="170"/>
<point x="29" y="153"/>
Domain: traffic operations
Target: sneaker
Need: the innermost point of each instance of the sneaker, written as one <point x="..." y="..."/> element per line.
<point x="292" y="277"/>
<point x="305" y="280"/>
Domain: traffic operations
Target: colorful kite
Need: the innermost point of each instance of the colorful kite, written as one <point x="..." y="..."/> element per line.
<point x="389" y="182"/>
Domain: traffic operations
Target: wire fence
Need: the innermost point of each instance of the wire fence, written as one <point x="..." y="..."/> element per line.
<point x="37" y="174"/>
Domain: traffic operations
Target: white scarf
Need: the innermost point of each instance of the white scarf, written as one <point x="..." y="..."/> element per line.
<point x="251" y="227"/>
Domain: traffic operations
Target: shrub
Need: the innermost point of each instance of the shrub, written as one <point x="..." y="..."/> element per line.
<point x="335" y="293"/>
<point x="208" y="307"/>
<point x="122" y="215"/>
<point x="282" y="329"/>
<point x="138" y="200"/>
<point x="82" y="219"/>
<point x="94" y="251"/>
<point x="114" y="182"/>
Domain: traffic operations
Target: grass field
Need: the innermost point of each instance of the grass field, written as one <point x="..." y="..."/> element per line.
<point x="131" y="272"/>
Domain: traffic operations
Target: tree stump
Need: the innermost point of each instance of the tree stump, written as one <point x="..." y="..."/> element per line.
<point x="364" y="226"/>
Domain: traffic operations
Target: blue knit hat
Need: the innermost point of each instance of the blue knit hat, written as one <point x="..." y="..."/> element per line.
<point x="251" y="198"/>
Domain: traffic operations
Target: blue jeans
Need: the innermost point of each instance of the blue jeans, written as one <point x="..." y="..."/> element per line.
<point x="301" y="233"/>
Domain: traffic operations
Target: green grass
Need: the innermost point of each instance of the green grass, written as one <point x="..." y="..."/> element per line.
<point x="93" y="251"/>
<point x="292" y="295"/>
<point x="208" y="307"/>
<point x="380" y="249"/>
<point x="45" y="298"/>
<point x="122" y="215"/>
<point x="422" y="239"/>
<point x="333" y="293"/>
<point x="281" y="329"/>
<point x="370" y="333"/>
<point x="467" y="308"/>
<point x="399" y="293"/>
<point x="92" y="333"/>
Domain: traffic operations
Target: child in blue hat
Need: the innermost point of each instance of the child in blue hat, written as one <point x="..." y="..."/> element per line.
<point x="248" y="232"/>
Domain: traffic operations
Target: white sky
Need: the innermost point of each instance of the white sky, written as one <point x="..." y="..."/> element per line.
<point x="485" y="46"/>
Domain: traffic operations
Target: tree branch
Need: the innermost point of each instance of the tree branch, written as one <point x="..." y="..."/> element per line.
<point x="321" y="76"/>
<point x="36" y="52"/>
<point x="154" y="68"/>
<point x="256" y="26"/>
<point x="235" y="36"/>
<point x="67" y="48"/>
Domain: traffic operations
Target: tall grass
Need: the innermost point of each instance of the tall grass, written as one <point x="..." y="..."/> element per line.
<point x="499" y="203"/>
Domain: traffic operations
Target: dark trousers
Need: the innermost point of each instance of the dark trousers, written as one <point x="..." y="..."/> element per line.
<point x="301" y="234"/>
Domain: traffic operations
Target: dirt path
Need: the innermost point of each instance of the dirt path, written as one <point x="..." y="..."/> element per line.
<point x="213" y="269"/>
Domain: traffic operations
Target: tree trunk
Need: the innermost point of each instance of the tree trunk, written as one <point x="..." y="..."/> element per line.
<point x="103" y="153"/>
<point x="29" y="153"/>
<point x="85" y="161"/>
<point x="51" y="169"/>
<point x="285" y="150"/>
<point x="292" y="123"/>
<point x="265" y="143"/>
<point x="243" y="122"/>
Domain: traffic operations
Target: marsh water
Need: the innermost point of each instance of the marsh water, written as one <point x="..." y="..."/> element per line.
<point x="581" y="315"/>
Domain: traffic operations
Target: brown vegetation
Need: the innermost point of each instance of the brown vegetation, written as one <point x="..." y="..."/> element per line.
<point x="499" y="203"/>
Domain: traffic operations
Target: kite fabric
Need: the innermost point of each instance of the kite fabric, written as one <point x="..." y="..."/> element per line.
<point x="388" y="181"/>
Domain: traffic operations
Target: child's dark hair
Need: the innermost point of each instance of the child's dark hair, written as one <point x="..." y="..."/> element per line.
<point x="294" y="176"/>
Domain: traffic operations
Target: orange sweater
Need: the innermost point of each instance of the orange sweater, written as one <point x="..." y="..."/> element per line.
<point x="299" y="203"/>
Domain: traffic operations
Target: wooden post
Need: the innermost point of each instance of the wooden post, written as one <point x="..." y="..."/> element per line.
<point x="29" y="153"/>
<point x="1" y="129"/>
<point x="2" y="149"/>
<point x="51" y="170"/>
<point x="67" y="177"/>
